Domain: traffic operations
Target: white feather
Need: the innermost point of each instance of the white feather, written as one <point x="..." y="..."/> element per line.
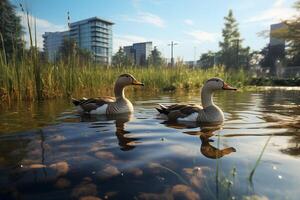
<point x="162" y="106"/>
<point x="100" y="110"/>
<point x="190" y="118"/>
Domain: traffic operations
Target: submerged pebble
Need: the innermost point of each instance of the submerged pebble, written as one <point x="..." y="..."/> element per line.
<point x="184" y="192"/>
<point x="135" y="171"/>
<point x="86" y="189"/>
<point x="58" y="138"/>
<point x="108" y="171"/>
<point x="36" y="166"/>
<point x="62" y="183"/>
<point x="105" y="155"/>
<point x="62" y="168"/>
<point x="89" y="198"/>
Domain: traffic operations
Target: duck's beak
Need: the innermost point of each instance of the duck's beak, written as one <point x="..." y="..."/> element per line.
<point x="227" y="87"/>
<point x="135" y="82"/>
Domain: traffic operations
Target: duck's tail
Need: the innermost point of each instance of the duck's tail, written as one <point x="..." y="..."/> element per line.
<point x="76" y="102"/>
<point x="162" y="109"/>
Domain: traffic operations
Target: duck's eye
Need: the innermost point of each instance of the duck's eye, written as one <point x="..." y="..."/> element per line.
<point x="217" y="80"/>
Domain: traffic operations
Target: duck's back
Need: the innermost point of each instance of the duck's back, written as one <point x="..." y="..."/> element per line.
<point x="97" y="105"/>
<point x="180" y="112"/>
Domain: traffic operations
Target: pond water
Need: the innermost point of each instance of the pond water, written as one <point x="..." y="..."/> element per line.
<point x="48" y="151"/>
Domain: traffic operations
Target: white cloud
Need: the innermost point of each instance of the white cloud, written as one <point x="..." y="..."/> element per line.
<point x="279" y="3"/>
<point x="202" y="36"/>
<point x="278" y="12"/>
<point x="146" y="17"/>
<point x="42" y="26"/>
<point x="189" y="22"/>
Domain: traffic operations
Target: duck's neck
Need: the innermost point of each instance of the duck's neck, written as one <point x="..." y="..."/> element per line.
<point x="119" y="92"/>
<point x="207" y="97"/>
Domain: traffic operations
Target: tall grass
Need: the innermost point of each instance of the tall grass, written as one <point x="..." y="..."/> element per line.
<point x="20" y="80"/>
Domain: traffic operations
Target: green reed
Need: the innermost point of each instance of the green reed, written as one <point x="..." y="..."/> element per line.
<point x="259" y="159"/>
<point x="33" y="79"/>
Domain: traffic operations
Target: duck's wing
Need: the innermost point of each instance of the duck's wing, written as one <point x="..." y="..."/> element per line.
<point x="176" y="111"/>
<point x="166" y="109"/>
<point x="90" y="104"/>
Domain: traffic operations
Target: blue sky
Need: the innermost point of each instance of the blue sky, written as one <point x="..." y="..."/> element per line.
<point x="194" y="24"/>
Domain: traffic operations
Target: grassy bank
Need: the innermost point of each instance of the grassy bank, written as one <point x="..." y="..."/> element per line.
<point x="19" y="80"/>
<point x="271" y="81"/>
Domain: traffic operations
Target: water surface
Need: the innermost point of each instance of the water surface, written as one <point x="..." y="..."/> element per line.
<point x="48" y="151"/>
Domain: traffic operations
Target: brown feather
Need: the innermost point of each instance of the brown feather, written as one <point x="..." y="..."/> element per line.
<point x="176" y="111"/>
<point x="93" y="103"/>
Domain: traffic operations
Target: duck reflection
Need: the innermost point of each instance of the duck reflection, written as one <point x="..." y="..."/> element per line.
<point x="126" y="143"/>
<point x="205" y="133"/>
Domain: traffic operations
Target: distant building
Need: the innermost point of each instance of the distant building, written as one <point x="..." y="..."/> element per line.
<point x="93" y="34"/>
<point x="190" y="63"/>
<point x="52" y="43"/>
<point x="139" y="52"/>
<point x="276" y="47"/>
<point x="273" y="40"/>
<point x="130" y="52"/>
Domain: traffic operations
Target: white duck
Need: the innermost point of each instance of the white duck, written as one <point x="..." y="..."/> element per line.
<point x="207" y="113"/>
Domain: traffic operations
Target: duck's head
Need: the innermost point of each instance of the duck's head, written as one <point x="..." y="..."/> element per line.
<point x="214" y="84"/>
<point x="126" y="80"/>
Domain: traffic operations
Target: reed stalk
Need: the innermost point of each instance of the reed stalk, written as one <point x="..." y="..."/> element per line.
<point x="259" y="159"/>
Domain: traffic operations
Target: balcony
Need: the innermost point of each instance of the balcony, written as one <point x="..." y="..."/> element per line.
<point x="99" y="31"/>
<point x="99" y="45"/>
<point x="95" y="36"/>
<point x="99" y="26"/>
<point x="97" y="39"/>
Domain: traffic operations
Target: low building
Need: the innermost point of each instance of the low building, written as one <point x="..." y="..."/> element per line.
<point x="139" y="52"/>
<point x="93" y="34"/>
<point x="190" y="63"/>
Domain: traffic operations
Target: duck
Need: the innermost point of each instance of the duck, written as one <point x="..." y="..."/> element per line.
<point x="207" y="113"/>
<point x="109" y="105"/>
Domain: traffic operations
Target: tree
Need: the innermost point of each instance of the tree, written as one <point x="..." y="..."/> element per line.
<point x="232" y="53"/>
<point x="121" y="59"/>
<point x="244" y="57"/>
<point x="85" y="56"/>
<point x="67" y="49"/>
<point x="291" y="34"/>
<point x="155" y="58"/>
<point x="270" y="54"/>
<point x="207" y="60"/>
<point x="11" y="30"/>
<point x="70" y="50"/>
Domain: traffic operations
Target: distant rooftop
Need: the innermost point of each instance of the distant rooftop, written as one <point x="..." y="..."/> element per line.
<point x="142" y="42"/>
<point x="92" y="19"/>
<point x="138" y="43"/>
<point x="278" y="25"/>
